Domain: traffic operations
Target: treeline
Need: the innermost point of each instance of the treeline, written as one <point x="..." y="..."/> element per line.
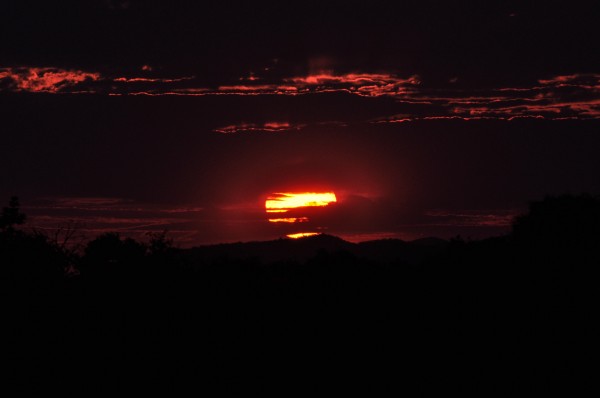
<point x="506" y="315"/>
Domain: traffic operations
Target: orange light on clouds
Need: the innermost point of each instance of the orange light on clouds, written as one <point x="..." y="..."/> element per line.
<point x="279" y="203"/>
<point x="302" y="235"/>
<point x="283" y="202"/>
<point x="289" y="219"/>
<point x="286" y="201"/>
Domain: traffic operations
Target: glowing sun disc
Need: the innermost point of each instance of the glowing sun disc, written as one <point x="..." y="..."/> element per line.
<point x="284" y="201"/>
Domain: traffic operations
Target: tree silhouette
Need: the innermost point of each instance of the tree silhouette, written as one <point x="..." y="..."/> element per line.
<point x="159" y="244"/>
<point x="11" y="215"/>
<point x="451" y="316"/>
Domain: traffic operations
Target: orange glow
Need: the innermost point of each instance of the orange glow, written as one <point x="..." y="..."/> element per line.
<point x="286" y="201"/>
<point x="302" y="235"/>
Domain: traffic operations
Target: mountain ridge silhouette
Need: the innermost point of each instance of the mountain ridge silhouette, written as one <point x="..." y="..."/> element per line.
<point x="302" y="249"/>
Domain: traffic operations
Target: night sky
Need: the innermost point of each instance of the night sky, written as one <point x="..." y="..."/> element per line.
<point x="424" y="119"/>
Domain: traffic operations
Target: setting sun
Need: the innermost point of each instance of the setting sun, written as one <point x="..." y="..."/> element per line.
<point x="283" y="202"/>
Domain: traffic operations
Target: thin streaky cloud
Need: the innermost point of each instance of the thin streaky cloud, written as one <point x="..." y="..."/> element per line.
<point x="152" y="79"/>
<point x="267" y="127"/>
<point x="498" y="218"/>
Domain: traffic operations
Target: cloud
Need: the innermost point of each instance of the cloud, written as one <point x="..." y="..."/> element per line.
<point x="356" y="217"/>
<point x="558" y="97"/>
<point x="45" y="80"/>
<point x="589" y="81"/>
<point x="150" y="79"/>
<point x="364" y="84"/>
<point x="267" y="127"/>
<point x="470" y="218"/>
<point x="56" y="80"/>
<point x="572" y="96"/>
<point x="92" y="216"/>
<point x="100" y="204"/>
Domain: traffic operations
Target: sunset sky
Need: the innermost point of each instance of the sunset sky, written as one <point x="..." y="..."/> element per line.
<point x="422" y="118"/>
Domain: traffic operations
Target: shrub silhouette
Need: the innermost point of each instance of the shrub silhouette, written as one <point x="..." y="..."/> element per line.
<point x="27" y="257"/>
<point x="558" y="219"/>
<point x="108" y="253"/>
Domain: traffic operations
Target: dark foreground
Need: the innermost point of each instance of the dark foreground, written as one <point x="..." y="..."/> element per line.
<point x="506" y="316"/>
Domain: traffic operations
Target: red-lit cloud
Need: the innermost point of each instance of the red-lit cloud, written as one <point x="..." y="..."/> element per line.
<point x="150" y="79"/>
<point x="364" y="84"/>
<point x="45" y="80"/>
<point x="259" y="89"/>
<point x="574" y="96"/>
<point x="561" y="97"/>
<point x="268" y="126"/>
<point x="58" y="80"/>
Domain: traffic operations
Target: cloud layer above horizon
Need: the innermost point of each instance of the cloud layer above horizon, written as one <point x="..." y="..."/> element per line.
<point x="575" y="96"/>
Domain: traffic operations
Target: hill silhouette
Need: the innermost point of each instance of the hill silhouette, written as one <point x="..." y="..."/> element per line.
<point x="509" y="315"/>
<point x="305" y="248"/>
